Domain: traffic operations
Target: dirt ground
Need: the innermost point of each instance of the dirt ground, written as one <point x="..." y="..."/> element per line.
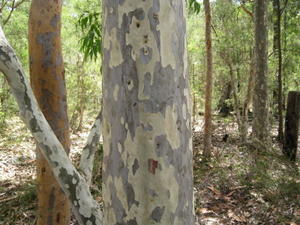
<point x="240" y="185"/>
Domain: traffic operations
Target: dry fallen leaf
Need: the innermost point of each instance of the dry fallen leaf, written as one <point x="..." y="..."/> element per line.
<point x="203" y="211"/>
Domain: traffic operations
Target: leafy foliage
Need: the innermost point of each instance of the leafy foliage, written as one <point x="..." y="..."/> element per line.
<point x="91" y="42"/>
<point x="195" y="6"/>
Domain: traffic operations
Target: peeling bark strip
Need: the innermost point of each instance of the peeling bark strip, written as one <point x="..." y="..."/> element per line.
<point x="89" y="150"/>
<point x="147" y="166"/>
<point x="48" y="83"/>
<point x="71" y="182"/>
<point x="153" y="164"/>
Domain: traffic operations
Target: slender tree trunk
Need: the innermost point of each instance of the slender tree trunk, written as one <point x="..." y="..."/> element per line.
<point x="235" y="95"/>
<point x="260" y="98"/>
<point x="284" y="59"/>
<point x="147" y="170"/>
<point x="194" y="94"/>
<point x="209" y="83"/>
<point x="77" y="115"/>
<point x="248" y="99"/>
<point x="48" y="83"/>
<point x="278" y="55"/>
<point x="4" y="100"/>
<point x="89" y="150"/>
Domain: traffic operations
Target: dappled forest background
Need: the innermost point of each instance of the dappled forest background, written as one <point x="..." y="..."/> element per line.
<point x="232" y="50"/>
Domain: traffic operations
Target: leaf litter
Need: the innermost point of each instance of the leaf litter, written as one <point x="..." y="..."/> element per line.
<point x="238" y="186"/>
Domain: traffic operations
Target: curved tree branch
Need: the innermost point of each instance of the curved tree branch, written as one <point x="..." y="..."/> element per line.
<point x="71" y="182"/>
<point x="14" y="5"/>
<point x="3" y="4"/>
<point x="89" y="150"/>
<point x="247" y="11"/>
<point x="10" y="13"/>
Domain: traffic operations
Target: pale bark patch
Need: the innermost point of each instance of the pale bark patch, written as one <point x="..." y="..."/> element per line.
<point x="111" y="41"/>
<point x="167" y="13"/>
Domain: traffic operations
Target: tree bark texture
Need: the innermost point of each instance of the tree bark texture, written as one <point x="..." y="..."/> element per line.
<point x="260" y="98"/>
<point x="48" y="83"/>
<point x="147" y="170"/>
<point x="72" y="183"/>
<point x="278" y="55"/>
<point x="209" y="82"/>
<point x="292" y="125"/>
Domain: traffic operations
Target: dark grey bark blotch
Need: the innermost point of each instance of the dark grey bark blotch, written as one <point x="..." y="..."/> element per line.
<point x="135" y="166"/>
<point x="157" y="214"/>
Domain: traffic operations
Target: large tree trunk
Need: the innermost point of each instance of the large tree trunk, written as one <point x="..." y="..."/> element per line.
<point x="48" y="83"/>
<point x="71" y="182"/>
<point x="209" y="82"/>
<point x="147" y="170"/>
<point x="260" y="98"/>
<point x="278" y="55"/>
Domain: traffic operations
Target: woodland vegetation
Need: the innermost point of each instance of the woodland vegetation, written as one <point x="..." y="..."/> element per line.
<point x="170" y="111"/>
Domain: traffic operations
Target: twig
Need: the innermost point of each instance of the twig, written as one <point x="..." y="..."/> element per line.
<point x="8" y="199"/>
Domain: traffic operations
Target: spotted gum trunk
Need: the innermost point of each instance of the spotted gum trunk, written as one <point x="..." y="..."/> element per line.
<point x="147" y="171"/>
<point x="48" y="83"/>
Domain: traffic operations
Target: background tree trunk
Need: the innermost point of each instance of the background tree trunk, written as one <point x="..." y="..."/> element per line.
<point x="223" y="106"/>
<point x="209" y="82"/>
<point x="292" y="125"/>
<point x="278" y="55"/>
<point x="260" y="98"/>
<point x="147" y="170"/>
<point x="48" y="83"/>
<point x="248" y="99"/>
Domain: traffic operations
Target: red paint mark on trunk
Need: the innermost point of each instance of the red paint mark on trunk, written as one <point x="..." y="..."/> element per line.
<point x="153" y="164"/>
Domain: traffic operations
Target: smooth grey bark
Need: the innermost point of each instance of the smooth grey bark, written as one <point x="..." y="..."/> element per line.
<point x="147" y="165"/>
<point x="260" y="98"/>
<point x="71" y="182"/>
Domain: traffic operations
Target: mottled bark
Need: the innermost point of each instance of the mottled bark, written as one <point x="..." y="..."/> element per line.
<point x="147" y="170"/>
<point x="260" y="98"/>
<point x="89" y="150"/>
<point x="292" y="123"/>
<point x="278" y="55"/>
<point x="48" y="83"/>
<point x="71" y="182"/>
<point x="209" y="82"/>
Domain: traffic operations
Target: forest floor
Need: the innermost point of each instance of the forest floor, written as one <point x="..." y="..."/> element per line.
<point x="238" y="186"/>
